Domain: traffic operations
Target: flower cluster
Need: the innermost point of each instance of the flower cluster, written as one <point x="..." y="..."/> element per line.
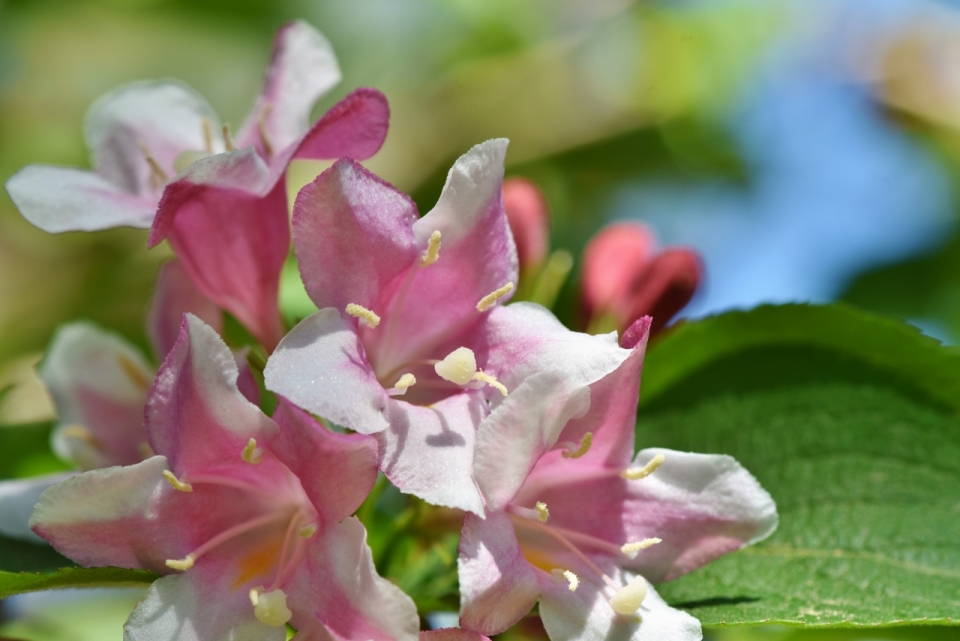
<point x="414" y="367"/>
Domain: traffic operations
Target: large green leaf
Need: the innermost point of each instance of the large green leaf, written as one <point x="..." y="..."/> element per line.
<point x="16" y="583"/>
<point x="851" y="422"/>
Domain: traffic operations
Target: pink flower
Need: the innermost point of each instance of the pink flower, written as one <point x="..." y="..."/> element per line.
<point x="412" y="340"/>
<point x="571" y="521"/>
<point x="223" y="203"/>
<point x="624" y="277"/>
<point x="529" y="219"/>
<point x="248" y="517"/>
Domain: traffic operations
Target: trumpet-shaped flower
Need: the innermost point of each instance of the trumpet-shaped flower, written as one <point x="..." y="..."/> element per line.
<point x="247" y="516"/>
<point x="222" y="201"/>
<point x="412" y="340"/>
<point x="573" y="522"/>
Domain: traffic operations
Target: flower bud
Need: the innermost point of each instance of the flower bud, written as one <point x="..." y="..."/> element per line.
<point x="529" y="220"/>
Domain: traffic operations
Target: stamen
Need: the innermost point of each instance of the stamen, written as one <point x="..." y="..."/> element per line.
<point x="251" y="453"/>
<point x="433" y="250"/>
<point x="183" y="564"/>
<point x="459" y="366"/>
<point x="631" y="549"/>
<point x="369" y="318"/>
<point x="400" y="388"/>
<point x="487" y="301"/>
<point x="262" y="129"/>
<point x="308" y="531"/>
<point x="627" y="600"/>
<point x="542" y="512"/>
<point x="177" y="484"/>
<point x="572" y="579"/>
<point x="270" y="607"/>
<point x="133" y="372"/>
<point x="186" y="158"/>
<point x="80" y="433"/>
<point x="145" y="451"/>
<point x="565" y="542"/>
<point x="490" y="380"/>
<point x="207" y="134"/>
<point x="580" y="449"/>
<point x="646" y="470"/>
<point x="158" y="175"/>
<point x="227" y="137"/>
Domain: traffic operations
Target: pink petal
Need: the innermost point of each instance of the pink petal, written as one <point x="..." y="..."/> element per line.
<point x="246" y="382"/>
<point x="586" y="614"/>
<point x="520" y="430"/>
<point x="355" y="127"/>
<point x="611" y="260"/>
<point x="321" y="366"/>
<point x="174" y="296"/>
<point x="302" y="68"/>
<point x="353" y="236"/>
<point x="529" y="219"/>
<point x="497" y="585"/>
<point x="197" y="417"/>
<point x="98" y="382"/>
<point x="452" y="634"/>
<point x="337" y="593"/>
<point x="337" y="471"/>
<point x="164" y="118"/>
<point x="231" y="239"/>
<point x="58" y="199"/>
<point x="428" y="451"/>
<point x="18" y="497"/>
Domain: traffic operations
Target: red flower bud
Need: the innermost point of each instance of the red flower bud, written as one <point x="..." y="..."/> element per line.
<point x="529" y="220"/>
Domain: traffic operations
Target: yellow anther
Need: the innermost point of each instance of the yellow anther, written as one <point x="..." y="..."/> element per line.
<point x="177" y="484"/>
<point x="631" y="549"/>
<point x="308" y="531"/>
<point x="542" y="512"/>
<point x="251" y="453"/>
<point x="227" y="137"/>
<point x="487" y="301"/>
<point x="433" y="250"/>
<point x="369" y="318"/>
<point x="78" y="432"/>
<point x="646" y="470"/>
<point x="183" y="564"/>
<point x="573" y="581"/>
<point x="490" y="380"/>
<point x="134" y="372"/>
<point x="270" y="607"/>
<point x="262" y="129"/>
<point x="186" y="158"/>
<point x="627" y="600"/>
<point x="407" y="380"/>
<point x="581" y="449"/>
<point x="158" y="176"/>
<point x="145" y="451"/>
<point x="207" y="135"/>
<point x="458" y="366"/>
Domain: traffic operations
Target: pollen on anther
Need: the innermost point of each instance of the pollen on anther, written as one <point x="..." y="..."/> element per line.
<point x="270" y="607"/>
<point x="581" y="449"/>
<point x="78" y="432"/>
<point x="458" y="366"/>
<point x="370" y="319"/>
<point x="645" y="471"/>
<point x="628" y="599"/>
<point x="433" y="250"/>
<point x="573" y="581"/>
<point x="487" y="301"/>
<point x="251" y="453"/>
<point x="183" y="564"/>
<point x="176" y="483"/>
<point x="631" y="549"/>
<point x="490" y="380"/>
<point x="407" y="380"/>
<point x="543" y="514"/>
<point x="308" y="531"/>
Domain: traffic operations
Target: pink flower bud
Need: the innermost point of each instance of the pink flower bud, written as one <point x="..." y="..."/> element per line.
<point x="529" y="220"/>
<point x="624" y="278"/>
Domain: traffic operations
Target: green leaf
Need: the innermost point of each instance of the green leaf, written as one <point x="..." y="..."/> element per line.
<point x="12" y="583"/>
<point x="851" y="422"/>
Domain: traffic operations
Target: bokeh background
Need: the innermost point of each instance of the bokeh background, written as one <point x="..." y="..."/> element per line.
<point x="808" y="149"/>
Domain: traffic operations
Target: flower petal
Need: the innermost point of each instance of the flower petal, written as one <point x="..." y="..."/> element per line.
<point x="337" y="471"/>
<point x="586" y="615"/>
<point x="452" y="634"/>
<point x="428" y="451"/>
<point x="355" y="127"/>
<point x="321" y="366"/>
<point x="231" y="239"/>
<point x="185" y="607"/>
<point x="337" y="593"/>
<point x="302" y="68"/>
<point x="18" y="497"/>
<point x="196" y="416"/>
<point x="497" y="585"/>
<point x="520" y="430"/>
<point x="174" y="296"/>
<point x="58" y="199"/>
<point x="161" y="118"/>
<point x="353" y="236"/>
<point x="99" y="385"/>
